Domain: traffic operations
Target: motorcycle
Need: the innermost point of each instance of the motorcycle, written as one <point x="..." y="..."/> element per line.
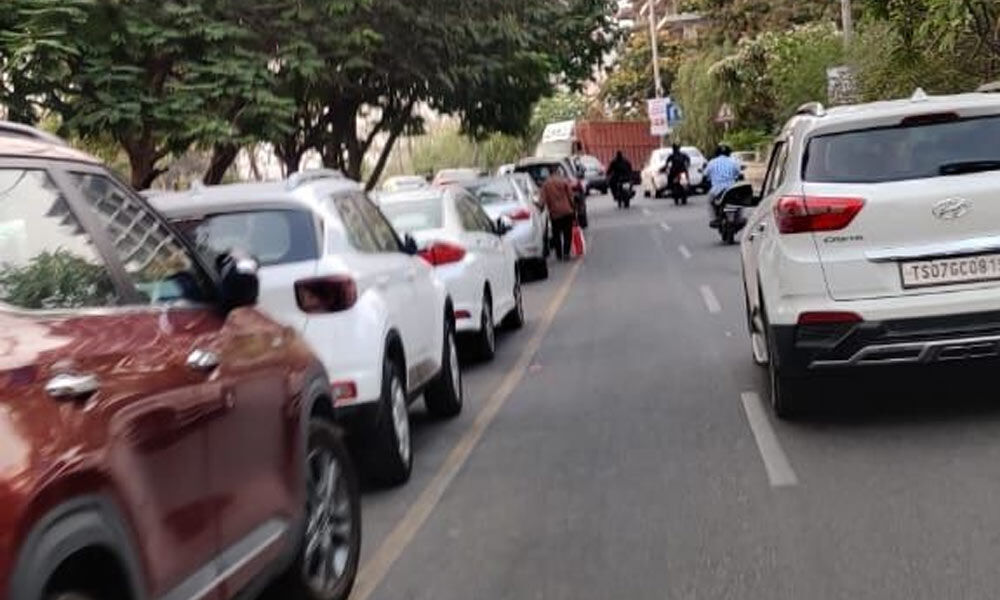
<point x="623" y="192"/>
<point x="729" y="219"/>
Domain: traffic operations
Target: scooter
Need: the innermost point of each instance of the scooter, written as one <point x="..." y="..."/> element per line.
<point x="623" y="193"/>
<point x="729" y="219"/>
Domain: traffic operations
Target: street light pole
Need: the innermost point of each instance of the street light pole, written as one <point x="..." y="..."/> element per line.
<point x="654" y="44"/>
<point x="847" y="19"/>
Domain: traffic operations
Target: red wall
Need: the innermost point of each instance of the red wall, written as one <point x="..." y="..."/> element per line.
<point x="603" y="138"/>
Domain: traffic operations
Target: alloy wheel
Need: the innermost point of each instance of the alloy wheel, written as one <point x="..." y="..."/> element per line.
<point x="400" y="419"/>
<point x="456" y="371"/>
<point x="329" y="524"/>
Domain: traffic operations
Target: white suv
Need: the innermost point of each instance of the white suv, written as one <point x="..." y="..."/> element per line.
<point x="876" y="241"/>
<point x="333" y="268"/>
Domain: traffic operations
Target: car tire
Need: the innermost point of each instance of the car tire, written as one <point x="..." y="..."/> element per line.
<point x="515" y="318"/>
<point x="758" y="338"/>
<point x="786" y="392"/>
<point x="389" y="451"/>
<point x="486" y="339"/>
<point x="331" y="534"/>
<point x="445" y="394"/>
<point x="541" y="270"/>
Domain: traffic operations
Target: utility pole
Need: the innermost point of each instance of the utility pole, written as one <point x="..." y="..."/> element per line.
<point x="654" y="44"/>
<point x="847" y="19"/>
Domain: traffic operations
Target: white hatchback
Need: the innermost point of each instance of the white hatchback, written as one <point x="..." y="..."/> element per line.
<point x="469" y="254"/>
<point x="654" y="181"/>
<point x="334" y="269"/>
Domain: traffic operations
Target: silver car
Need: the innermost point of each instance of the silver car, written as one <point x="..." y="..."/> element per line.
<point x="514" y="200"/>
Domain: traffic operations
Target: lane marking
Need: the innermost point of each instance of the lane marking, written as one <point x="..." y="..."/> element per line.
<point x="684" y="251"/>
<point x="779" y="470"/>
<point x="665" y="227"/>
<point x="711" y="302"/>
<point x="374" y="571"/>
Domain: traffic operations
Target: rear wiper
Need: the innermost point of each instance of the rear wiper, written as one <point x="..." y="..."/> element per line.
<point x="969" y="166"/>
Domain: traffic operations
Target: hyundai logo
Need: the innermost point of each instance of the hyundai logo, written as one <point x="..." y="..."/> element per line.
<point x="951" y="209"/>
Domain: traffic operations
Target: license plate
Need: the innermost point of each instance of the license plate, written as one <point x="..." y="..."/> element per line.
<point x="950" y="271"/>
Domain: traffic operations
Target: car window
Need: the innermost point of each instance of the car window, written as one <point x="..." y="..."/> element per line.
<point x="382" y="232"/>
<point x="493" y="191"/>
<point x="47" y="260"/>
<point x="159" y="265"/>
<point x="273" y="237"/>
<point x="770" y="179"/>
<point x="358" y="235"/>
<point x="416" y="215"/>
<point x="467" y="214"/>
<point x="917" y="151"/>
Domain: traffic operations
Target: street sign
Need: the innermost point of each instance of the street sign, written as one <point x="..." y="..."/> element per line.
<point x="726" y="114"/>
<point x="659" y="124"/>
<point x="841" y="85"/>
<point x="675" y="116"/>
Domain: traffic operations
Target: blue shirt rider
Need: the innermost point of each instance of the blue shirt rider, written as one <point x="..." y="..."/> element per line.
<point x="723" y="171"/>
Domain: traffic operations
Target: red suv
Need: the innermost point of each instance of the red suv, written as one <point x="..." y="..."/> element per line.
<point x="159" y="438"/>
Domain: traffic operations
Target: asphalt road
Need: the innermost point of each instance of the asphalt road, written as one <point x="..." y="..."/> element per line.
<point x="620" y="447"/>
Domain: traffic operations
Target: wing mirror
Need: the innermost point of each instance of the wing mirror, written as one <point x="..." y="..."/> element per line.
<point x="502" y="226"/>
<point x="239" y="283"/>
<point x="741" y="194"/>
<point x="410" y="245"/>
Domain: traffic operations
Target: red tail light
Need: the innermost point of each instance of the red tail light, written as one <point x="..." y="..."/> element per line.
<point x="801" y="214"/>
<point x="520" y="214"/>
<point x="443" y="253"/>
<point x="832" y="317"/>
<point x="331" y="294"/>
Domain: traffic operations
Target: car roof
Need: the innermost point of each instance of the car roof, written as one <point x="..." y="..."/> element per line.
<point x="541" y="160"/>
<point x="250" y="196"/>
<point x="428" y="193"/>
<point x="22" y="141"/>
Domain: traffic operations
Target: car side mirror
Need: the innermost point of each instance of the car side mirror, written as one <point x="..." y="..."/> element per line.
<point x="741" y="194"/>
<point x="240" y="285"/>
<point x="502" y="226"/>
<point x="410" y="245"/>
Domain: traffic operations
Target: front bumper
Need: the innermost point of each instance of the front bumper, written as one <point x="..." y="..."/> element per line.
<point x="804" y="349"/>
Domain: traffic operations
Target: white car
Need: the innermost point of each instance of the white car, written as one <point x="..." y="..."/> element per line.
<point x="402" y="183"/>
<point x="505" y="169"/>
<point x="654" y="182"/>
<point x="514" y="200"/>
<point x="876" y="242"/>
<point x="333" y="268"/>
<point x="468" y="253"/>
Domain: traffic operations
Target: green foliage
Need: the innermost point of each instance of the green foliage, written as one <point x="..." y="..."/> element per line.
<point x="562" y="106"/>
<point x="701" y="95"/>
<point x="632" y="82"/>
<point x="733" y="20"/>
<point x="748" y="139"/>
<point x="57" y="279"/>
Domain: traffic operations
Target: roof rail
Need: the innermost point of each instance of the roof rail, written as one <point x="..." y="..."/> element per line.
<point x="989" y="88"/>
<point x="815" y="109"/>
<point x="20" y="130"/>
<point x="310" y="175"/>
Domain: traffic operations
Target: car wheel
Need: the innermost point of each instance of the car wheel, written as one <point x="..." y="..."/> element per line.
<point x="390" y="455"/>
<point x="515" y="318"/>
<point x="444" y="395"/>
<point x="486" y="340"/>
<point x="758" y="340"/>
<point x="331" y="543"/>
<point x="541" y="270"/>
<point x="786" y="392"/>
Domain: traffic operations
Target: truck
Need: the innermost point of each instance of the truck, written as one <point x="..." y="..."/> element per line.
<point x="599" y="138"/>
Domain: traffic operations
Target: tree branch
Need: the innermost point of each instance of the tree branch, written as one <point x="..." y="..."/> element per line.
<point x="397" y="128"/>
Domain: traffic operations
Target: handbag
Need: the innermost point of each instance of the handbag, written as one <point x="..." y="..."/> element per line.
<point x="579" y="245"/>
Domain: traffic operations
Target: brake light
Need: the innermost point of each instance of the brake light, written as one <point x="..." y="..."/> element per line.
<point x="442" y="253"/>
<point x="800" y="214"/>
<point x="520" y="214"/>
<point x="831" y="317"/>
<point x="343" y="392"/>
<point x="331" y="294"/>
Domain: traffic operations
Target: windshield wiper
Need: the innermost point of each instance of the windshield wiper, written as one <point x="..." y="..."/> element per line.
<point x="969" y="166"/>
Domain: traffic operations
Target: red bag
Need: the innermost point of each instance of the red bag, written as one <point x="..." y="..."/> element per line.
<point x="579" y="247"/>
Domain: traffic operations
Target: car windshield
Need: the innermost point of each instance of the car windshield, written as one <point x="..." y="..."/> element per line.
<point x="273" y="237"/>
<point x="541" y="172"/>
<point x="904" y="152"/>
<point x="493" y="191"/>
<point x="409" y="216"/>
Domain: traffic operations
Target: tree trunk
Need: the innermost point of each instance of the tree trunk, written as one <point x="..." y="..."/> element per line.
<point x="398" y="125"/>
<point x="223" y="157"/>
<point x="142" y="162"/>
<point x="290" y="156"/>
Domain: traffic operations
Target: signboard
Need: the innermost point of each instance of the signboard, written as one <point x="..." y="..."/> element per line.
<point x="659" y="124"/>
<point x="841" y="86"/>
<point x="726" y="114"/>
<point x="558" y="132"/>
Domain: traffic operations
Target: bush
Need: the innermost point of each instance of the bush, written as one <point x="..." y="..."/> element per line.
<point x="748" y="139"/>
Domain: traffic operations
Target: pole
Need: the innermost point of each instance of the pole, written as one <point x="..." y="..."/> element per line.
<point x="654" y="44"/>
<point x="847" y="19"/>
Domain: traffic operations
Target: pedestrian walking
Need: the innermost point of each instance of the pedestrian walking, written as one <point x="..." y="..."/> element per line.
<point x="557" y="195"/>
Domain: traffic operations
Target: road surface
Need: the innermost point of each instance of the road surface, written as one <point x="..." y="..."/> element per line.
<point x="620" y="447"/>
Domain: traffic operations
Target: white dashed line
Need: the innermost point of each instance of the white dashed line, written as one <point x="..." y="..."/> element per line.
<point x="665" y="227"/>
<point x="779" y="470"/>
<point x="684" y="252"/>
<point x="711" y="302"/>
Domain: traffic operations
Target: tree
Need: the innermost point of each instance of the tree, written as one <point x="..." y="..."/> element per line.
<point x="631" y="83"/>
<point x="733" y="20"/>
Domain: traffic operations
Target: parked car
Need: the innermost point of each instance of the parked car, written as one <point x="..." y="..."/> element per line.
<point x="654" y="182"/>
<point x="334" y="269"/>
<point x="161" y="438"/>
<point x="468" y="253"/>
<point x="453" y="176"/>
<point x="595" y="175"/>
<point x="505" y="169"/>
<point x="541" y="168"/>
<point x="508" y="200"/>
<point x="874" y="243"/>
<point x="401" y="183"/>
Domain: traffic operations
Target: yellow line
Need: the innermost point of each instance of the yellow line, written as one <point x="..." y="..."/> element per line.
<point x="374" y="571"/>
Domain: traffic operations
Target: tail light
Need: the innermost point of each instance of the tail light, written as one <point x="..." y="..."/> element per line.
<point x="801" y="214"/>
<point x="442" y="253"/>
<point x="831" y="317"/>
<point x="331" y="294"/>
<point x="520" y="214"/>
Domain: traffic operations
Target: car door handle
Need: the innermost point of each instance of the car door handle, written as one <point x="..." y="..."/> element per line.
<point x="72" y="385"/>
<point x="202" y="360"/>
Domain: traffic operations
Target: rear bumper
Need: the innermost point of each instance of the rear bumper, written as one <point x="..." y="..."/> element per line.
<point x="802" y="350"/>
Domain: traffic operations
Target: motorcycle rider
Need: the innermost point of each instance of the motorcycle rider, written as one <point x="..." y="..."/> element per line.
<point x="619" y="173"/>
<point x="676" y="168"/>
<point x="723" y="171"/>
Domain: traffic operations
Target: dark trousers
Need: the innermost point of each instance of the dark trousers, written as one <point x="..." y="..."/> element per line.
<point x="562" y="235"/>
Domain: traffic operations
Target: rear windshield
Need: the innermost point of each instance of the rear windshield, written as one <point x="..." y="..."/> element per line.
<point x="496" y="191"/>
<point x="905" y="152"/>
<point x="541" y="172"/>
<point x="417" y="215"/>
<point x="274" y="237"/>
